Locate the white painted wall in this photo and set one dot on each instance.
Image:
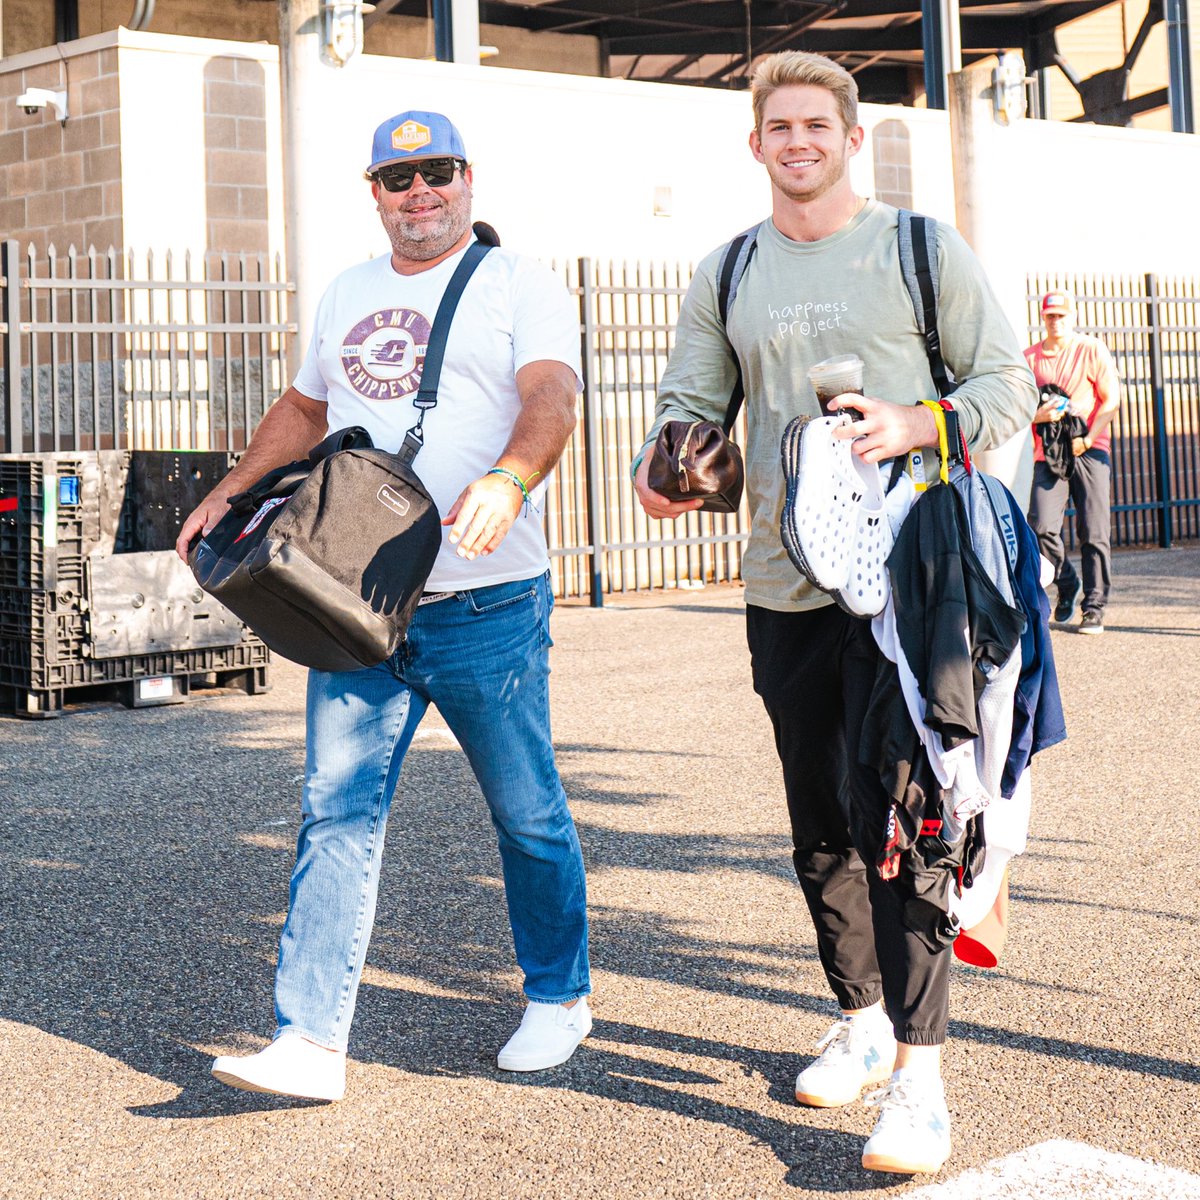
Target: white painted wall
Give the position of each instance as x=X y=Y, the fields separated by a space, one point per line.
x=1126 y=199
x=162 y=159
x=570 y=165
x=567 y=165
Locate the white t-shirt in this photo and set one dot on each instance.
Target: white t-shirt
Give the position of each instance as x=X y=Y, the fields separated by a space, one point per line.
x=365 y=359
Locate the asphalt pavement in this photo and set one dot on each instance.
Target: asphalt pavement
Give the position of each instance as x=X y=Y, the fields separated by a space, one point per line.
x=145 y=857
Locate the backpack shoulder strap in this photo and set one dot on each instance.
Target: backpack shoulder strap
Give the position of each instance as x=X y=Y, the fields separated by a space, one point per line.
x=916 y=241
x=732 y=266
x=734 y=260
x=1006 y=517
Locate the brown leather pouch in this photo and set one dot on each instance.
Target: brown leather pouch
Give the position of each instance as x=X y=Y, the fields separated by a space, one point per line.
x=694 y=460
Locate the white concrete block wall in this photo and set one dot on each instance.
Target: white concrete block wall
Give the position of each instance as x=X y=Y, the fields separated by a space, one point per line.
x=569 y=165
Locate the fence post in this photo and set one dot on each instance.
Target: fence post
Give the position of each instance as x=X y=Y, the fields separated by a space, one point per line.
x=11 y=358
x=1162 y=458
x=593 y=430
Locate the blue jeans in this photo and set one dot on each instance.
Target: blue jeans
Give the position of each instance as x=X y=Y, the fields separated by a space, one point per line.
x=482 y=657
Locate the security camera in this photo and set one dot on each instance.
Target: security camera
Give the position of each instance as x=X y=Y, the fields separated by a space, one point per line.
x=35 y=99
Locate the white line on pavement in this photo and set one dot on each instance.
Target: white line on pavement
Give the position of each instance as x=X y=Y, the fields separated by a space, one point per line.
x=1063 y=1170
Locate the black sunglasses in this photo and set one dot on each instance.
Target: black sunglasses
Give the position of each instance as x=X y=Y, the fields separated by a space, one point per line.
x=437 y=172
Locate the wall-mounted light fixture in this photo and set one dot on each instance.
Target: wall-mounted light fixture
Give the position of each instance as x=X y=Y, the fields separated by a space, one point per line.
x=1008 y=88
x=342 y=30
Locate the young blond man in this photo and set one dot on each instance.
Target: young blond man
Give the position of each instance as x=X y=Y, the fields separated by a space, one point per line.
x=825 y=279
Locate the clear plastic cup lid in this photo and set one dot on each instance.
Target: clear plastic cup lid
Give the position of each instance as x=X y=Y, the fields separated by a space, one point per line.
x=840 y=364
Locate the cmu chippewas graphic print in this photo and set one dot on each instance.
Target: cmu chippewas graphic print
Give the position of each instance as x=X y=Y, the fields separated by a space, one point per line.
x=384 y=354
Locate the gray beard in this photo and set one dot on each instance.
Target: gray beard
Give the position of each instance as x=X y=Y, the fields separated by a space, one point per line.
x=435 y=240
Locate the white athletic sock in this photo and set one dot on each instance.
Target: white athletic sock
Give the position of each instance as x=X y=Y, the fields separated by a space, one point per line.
x=872 y=1015
x=919 y=1076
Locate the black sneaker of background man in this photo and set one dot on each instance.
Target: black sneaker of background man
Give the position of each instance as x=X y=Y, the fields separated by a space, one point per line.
x=1068 y=597
x=1091 y=622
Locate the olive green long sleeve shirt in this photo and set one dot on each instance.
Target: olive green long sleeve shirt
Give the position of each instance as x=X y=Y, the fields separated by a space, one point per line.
x=800 y=302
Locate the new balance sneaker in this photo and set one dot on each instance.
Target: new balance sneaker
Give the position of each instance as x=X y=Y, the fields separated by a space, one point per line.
x=1068 y=598
x=855 y=1053
x=547 y=1036
x=912 y=1132
x=290 y=1066
x=1091 y=622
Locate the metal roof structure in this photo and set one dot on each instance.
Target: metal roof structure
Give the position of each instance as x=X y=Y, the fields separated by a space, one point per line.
x=894 y=48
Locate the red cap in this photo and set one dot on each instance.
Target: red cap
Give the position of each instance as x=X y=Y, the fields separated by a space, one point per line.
x=1057 y=302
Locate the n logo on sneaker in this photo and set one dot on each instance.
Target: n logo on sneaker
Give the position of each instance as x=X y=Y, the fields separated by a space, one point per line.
x=870 y=1058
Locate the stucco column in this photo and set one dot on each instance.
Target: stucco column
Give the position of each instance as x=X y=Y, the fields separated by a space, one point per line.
x=985 y=218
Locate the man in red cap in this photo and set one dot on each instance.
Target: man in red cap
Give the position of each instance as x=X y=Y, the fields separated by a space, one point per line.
x=1076 y=377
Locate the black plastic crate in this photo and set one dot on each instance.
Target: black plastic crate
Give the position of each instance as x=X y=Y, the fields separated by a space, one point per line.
x=91 y=595
x=40 y=689
x=38 y=629
x=57 y=509
x=164 y=486
x=50 y=510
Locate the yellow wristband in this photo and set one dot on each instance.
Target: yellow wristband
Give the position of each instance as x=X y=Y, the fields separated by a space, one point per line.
x=939 y=417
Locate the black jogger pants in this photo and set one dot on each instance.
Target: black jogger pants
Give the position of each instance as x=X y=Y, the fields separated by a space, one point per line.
x=814 y=671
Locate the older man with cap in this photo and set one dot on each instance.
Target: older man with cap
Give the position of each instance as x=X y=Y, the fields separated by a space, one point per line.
x=1079 y=367
x=478 y=644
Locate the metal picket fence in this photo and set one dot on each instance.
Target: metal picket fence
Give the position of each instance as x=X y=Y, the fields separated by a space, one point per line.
x=122 y=351
x=601 y=541
x=127 y=351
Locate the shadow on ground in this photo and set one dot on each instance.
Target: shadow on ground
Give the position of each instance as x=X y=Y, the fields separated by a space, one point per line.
x=144 y=875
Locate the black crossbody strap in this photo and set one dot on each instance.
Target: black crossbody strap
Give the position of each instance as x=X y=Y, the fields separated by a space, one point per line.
x=435 y=351
x=354 y=437
x=431 y=372
x=734 y=260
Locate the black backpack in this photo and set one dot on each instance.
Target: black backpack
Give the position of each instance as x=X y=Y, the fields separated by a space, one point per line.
x=916 y=247
x=326 y=558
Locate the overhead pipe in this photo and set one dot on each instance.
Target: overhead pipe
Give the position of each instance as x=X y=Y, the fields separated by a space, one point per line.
x=143 y=13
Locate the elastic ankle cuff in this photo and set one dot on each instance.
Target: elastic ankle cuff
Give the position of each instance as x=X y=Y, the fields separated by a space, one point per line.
x=920 y=1037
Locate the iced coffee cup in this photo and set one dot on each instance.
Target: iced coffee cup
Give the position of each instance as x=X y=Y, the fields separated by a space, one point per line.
x=833 y=376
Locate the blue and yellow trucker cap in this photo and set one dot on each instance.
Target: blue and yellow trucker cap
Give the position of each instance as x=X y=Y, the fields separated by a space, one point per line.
x=415 y=134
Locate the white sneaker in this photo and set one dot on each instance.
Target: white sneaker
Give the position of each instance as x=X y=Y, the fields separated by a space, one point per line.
x=547 y=1036
x=290 y=1066
x=855 y=1053
x=912 y=1132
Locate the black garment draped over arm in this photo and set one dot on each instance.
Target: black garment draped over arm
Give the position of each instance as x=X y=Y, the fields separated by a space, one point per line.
x=950 y=617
